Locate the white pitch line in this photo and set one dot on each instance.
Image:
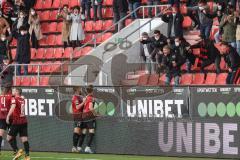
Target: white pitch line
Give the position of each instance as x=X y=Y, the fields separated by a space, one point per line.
x=60 y=158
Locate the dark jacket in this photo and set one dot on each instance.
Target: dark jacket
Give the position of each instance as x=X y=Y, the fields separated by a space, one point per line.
x=232 y=59
x=177 y=24
x=167 y=63
x=120 y=6
x=207 y=50
x=150 y=50
x=23 y=48
x=3 y=50
x=184 y=53
x=25 y=23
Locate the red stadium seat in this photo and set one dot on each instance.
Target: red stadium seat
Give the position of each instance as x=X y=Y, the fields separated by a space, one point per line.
x=88 y=26
x=53 y=15
x=40 y=53
x=13 y=52
x=50 y=40
x=67 y=52
x=153 y=80
x=58 y=40
x=77 y=53
x=46 y=67
x=64 y=2
x=211 y=78
x=107 y=24
x=88 y=38
x=106 y=36
x=34 y=81
x=143 y=80
x=128 y=21
x=33 y=53
x=44 y=16
x=108 y=13
x=108 y=2
x=86 y=50
x=49 y=53
x=46 y=4
x=25 y=81
x=59 y=27
x=42 y=42
x=187 y=22
x=221 y=78
x=45 y=27
x=73 y=3
x=98 y=25
x=198 y=78
x=44 y=81
x=53 y=27
x=56 y=67
x=98 y=39
x=186 y=79
x=58 y=53
x=56 y=3
x=38 y=5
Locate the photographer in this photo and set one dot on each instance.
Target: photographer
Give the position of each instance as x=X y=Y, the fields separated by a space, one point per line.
x=229 y=27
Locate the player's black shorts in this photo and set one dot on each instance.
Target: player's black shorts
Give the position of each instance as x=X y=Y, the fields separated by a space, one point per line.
x=21 y=129
x=78 y=124
x=4 y=125
x=89 y=124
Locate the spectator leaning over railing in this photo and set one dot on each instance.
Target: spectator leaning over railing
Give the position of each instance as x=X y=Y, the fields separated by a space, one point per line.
x=209 y=54
x=171 y=65
x=232 y=60
x=237 y=22
x=205 y=20
x=229 y=27
x=76 y=32
x=120 y=9
x=182 y=49
x=147 y=54
x=174 y=21
x=35 y=28
x=133 y=5
x=23 y=49
x=66 y=24
x=97 y=9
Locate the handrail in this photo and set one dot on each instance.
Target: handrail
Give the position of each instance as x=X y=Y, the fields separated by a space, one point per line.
x=120 y=21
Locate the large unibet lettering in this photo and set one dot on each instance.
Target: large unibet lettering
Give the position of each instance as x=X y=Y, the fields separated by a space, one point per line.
x=154 y=108
x=198 y=138
x=184 y=137
x=227 y=138
x=165 y=147
x=39 y=107
x=211 y=138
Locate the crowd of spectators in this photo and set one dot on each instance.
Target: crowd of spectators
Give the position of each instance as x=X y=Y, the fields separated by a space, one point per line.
x=168 y=54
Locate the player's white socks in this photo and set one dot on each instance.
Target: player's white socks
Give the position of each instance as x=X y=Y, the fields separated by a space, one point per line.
x=88 y=150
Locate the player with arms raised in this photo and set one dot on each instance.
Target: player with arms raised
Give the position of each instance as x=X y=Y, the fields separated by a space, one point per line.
x=77 y=110
x=5 y=104
x=19 y=125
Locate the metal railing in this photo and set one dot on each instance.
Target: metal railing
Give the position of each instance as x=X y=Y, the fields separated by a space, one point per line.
x=62 y=70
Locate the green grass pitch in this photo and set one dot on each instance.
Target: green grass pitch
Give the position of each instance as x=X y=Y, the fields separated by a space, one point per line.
x=69 y=156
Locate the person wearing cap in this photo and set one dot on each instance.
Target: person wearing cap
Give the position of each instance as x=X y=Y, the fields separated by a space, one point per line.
x=23 y=49
x=147 y=54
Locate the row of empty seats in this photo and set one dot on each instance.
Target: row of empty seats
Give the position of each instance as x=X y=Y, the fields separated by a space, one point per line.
x=186 y=79
x=32 y=81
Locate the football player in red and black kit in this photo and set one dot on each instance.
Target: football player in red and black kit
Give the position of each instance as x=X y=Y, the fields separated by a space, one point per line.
x=5 y=104
x=19 y=125
x=77 y=110
x=89 y=120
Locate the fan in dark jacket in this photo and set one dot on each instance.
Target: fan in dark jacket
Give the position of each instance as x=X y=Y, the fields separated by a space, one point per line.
x=120 y=9
x=232 y=60
x=171 y=64
x=4 y=48
x=146 y=52
x=174 y=20
x=182 y=49
x=23 y=49
x=209 y=54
